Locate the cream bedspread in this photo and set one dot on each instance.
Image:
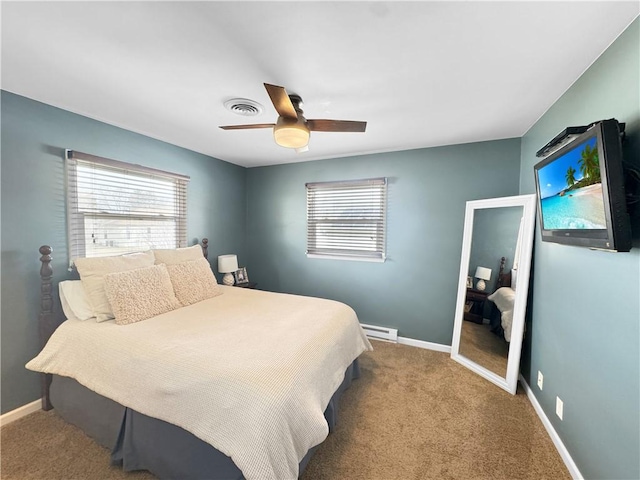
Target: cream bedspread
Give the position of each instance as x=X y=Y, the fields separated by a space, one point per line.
x=249 y=372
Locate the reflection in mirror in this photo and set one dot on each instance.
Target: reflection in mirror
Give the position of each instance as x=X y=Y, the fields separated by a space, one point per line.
x=484 y=339
x=494 y=278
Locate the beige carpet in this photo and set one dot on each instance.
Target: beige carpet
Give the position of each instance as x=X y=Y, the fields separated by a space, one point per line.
x=414 y=414
x=478 y=344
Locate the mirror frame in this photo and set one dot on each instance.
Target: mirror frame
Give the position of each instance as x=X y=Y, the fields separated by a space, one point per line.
x=528 y=202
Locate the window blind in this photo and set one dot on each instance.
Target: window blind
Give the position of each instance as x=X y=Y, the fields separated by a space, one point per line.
x=347 y=219
x=115 y=207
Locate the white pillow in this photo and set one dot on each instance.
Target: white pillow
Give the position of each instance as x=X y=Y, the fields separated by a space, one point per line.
x=68 y=313
x=139 y=294
x=93 y=270
x=73 y=298
x=178 y=255
x=503 y=298
x=193 y=281
x=514 y=277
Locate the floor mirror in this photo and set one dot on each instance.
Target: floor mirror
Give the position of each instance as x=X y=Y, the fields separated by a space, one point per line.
x=493 y=287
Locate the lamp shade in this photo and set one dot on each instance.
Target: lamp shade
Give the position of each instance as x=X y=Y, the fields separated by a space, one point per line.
x=482 y=273
x=291 y=133
x=227 y=263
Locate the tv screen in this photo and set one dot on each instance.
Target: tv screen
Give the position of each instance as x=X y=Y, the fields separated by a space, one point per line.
x=580 y=190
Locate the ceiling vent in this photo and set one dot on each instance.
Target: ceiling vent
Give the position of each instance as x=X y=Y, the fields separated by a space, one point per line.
x=243 y=106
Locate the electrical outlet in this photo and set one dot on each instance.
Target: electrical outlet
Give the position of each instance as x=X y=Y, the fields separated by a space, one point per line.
x=540 y=378
x=559 y=407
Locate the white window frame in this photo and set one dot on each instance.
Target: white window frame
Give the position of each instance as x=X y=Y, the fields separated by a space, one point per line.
x=346 y=220
x=79 y=215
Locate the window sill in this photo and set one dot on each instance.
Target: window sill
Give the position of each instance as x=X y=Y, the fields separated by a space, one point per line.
x=346 y=257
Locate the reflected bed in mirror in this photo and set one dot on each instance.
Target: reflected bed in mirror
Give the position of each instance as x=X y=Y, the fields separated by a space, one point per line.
x=489 y=321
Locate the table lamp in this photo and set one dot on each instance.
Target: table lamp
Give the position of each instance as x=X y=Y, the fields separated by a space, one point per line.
x=483 y=274
x=227 y=264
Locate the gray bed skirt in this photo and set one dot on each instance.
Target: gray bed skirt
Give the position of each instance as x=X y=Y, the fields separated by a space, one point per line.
x=140 y=442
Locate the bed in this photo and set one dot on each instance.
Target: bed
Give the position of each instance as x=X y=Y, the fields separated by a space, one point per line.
x=240 y=384
x=502 y=299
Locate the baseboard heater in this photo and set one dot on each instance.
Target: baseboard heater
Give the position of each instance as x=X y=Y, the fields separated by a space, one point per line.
x=381 y=333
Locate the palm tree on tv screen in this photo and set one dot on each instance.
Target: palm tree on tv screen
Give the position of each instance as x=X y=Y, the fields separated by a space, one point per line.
x=590 y=165
x=570 y=176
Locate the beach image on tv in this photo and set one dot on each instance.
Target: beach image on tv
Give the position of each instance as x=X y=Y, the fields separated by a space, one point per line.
x=571 y=190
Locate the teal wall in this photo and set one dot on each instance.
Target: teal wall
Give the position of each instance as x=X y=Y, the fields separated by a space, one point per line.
x=583 y=331
x=415 y=289
x=34 y=136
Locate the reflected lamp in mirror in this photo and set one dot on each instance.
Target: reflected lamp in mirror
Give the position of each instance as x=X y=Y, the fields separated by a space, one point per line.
x=228 y=264
x=483 y=274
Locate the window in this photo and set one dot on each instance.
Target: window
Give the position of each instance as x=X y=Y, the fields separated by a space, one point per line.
x=115 y=207
x=347 y=219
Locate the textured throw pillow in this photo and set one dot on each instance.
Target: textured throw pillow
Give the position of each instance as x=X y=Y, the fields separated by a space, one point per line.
x=139 y=294
x=178 y=255
x=74 y=300
x=93 y=270
x=193 y=281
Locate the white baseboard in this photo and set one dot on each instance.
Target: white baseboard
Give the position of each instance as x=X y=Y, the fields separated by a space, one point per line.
x=23 y=411
x=438 y=347
x=562 y=450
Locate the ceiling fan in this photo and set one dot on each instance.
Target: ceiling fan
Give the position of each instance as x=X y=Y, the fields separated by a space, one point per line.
x=292 y=130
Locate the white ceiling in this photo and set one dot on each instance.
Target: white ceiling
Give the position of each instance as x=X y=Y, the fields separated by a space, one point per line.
x=421 y=74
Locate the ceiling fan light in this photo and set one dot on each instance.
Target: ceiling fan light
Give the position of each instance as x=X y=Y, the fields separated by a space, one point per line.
x=291 y=134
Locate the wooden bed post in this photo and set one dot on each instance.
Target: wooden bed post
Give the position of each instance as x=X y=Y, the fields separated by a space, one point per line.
x=205 y=248
x=46 y=326
x=504 y=279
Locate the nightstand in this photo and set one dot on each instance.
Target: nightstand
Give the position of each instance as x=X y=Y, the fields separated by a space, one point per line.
x=247 y=285
x=475 y=298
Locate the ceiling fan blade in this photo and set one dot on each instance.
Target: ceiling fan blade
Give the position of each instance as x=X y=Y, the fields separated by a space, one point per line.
x=281 y=101
x=336 y=126
x=247 y=127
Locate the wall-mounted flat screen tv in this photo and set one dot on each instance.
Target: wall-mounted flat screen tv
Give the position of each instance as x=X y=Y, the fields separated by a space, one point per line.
x=581 y=196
